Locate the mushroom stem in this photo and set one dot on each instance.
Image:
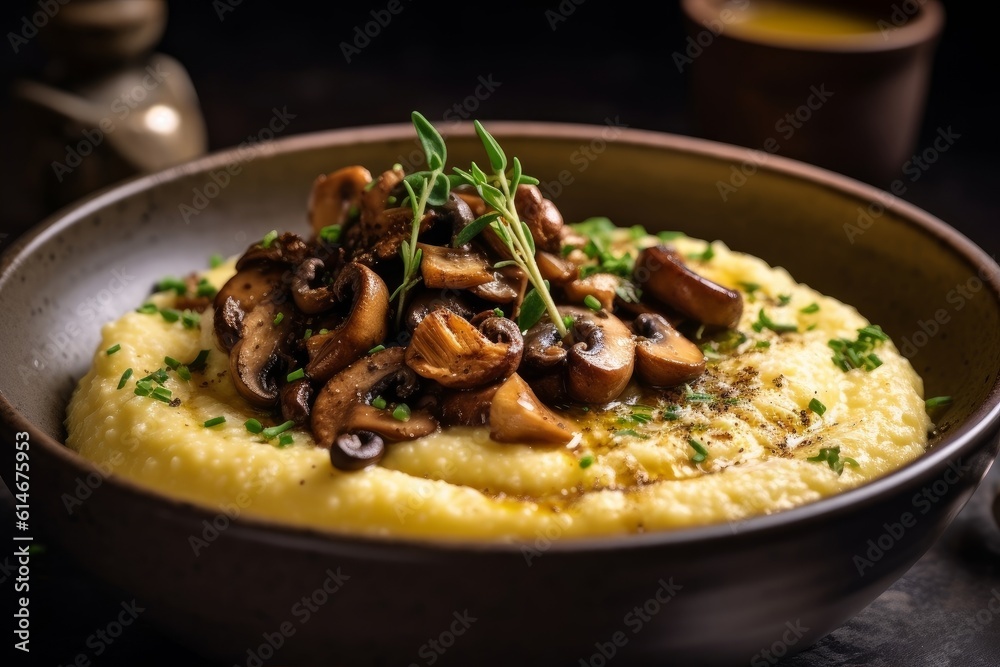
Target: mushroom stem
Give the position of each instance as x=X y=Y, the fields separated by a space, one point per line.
x=516 y=415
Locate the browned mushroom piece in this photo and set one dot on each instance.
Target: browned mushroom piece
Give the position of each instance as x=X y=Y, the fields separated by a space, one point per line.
x=453 y=268
x=599 y=364
x=516 y=415
x=663 y=356
x=467 y=408
x=663 y=275
x=448 y=349
x=364 y=328
x=472 y=200
x=240 y=295
x=557 y=270
x=458 y=213
x=311 y=298
x=259 y=360
x=507 y=287
x=395 y=225
x=296 y=401
x=344 y=419
x=541 y=216
x=334 y=194
x=424 y=301
x=601 y=286
x=288 y=248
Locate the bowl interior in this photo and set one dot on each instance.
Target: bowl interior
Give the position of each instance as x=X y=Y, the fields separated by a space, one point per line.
x=930 y=288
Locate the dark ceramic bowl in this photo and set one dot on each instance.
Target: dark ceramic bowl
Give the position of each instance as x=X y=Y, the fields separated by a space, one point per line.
x=722 y=594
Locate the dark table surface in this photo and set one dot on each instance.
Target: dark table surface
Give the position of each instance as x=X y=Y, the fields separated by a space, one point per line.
x=942 y=612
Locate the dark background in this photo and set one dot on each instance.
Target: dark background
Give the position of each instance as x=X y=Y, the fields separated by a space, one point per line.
x=606 y=59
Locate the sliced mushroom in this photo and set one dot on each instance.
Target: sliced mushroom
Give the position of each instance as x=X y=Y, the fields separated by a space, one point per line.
x=229 y=323
x=354 y=451
x=516 y=415
x=540 y=215
x=557 y=270
x=663 y=356
x=599 y=364
x=507 y=287
x=543 y=350
x=662 y=274
x=424 y=301
x=453 y=267
x=458 y=212
x=447 y=348
x=364 y=328
x=601 y=286
x=334 y=194
x=258 y=361
x=309 y=297
x=468 y=408
x=342 y=408
x=296 y=401
x=288 y=248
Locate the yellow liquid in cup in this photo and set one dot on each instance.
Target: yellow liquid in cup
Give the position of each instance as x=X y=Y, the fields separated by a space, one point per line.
x=774 y=18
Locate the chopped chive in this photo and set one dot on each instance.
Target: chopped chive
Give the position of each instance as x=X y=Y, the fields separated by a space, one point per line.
x=498 y=312
x=811 y=308
x=401 y=413
x=379 y=403
x=700 y=452
x=286 y=440
x=206 y=289
x=308 y=334
x=669 y=236
x=765 y=322
x=125 y=376
x=161 y=394
x=275 y=431
x=696 y=397
x=590 y=301
x=749 y=287
x=831 y=456
x=705 y=256
x=671 y=414
x=377 y=348
x=937 y=402
x=817 y=407
x=147 y=309
x=159 y=376
x=170 y=315
x=296 y=375
x=323 y=332
x=171 y=362
x=586 y=461
x=215 y=261
x=143 y=388
x=269 y=238
x=114 y=348
x=330 y=233
x=763 y=344
x=253 y=425
x=215 y=421
x=568 y=321
x=278 y=318
x=631 y=432
x=784 y=299
x=170 y=283
x=199 y=361
x=183 y=372
x=190 y=319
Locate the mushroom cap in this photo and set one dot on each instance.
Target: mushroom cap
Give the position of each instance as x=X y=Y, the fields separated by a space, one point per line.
x=259 y=359
x=663 y=356
x=662 y=274
x=334 y=194
x=599 y=364
x=516 y=415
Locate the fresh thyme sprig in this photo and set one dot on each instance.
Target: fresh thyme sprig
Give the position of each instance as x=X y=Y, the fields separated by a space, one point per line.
x=497 y=190
x=423 y=188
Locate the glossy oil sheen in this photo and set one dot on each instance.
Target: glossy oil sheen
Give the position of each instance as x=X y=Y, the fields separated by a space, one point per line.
x=733 y=590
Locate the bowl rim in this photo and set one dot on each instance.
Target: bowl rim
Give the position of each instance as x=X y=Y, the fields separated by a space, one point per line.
x=924 y=27
x=958 y=443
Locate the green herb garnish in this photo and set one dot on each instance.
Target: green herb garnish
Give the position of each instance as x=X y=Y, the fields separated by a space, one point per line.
x=586 y=461
x=817 y=407
x=762 y=344
x=285 y=441
x=704 y=256
x=215 y=261
x=590 y=301
x=379 y=403
x=296 y=375
x=700 y=453
x=125 y=377
x=330 y=233
x=784 y=299
x=765 y=322
x=199 y=361
x=215 y=421
x=810 y=309
x=937 y=402
x=170 y=315
x=269 y=238
x=831 y=456
x=848 y=354
x=275 y=431
x=253 y=425
x=170 y=283
x=114 y=348
x=377 y=348
x=279 y=318
x=401 y=413
x=147 y=309
x=205 y=289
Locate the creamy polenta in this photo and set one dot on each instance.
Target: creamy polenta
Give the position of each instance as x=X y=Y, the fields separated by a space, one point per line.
x=773 y=423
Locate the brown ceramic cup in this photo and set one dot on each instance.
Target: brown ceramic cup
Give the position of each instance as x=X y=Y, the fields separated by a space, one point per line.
x=852 y=103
